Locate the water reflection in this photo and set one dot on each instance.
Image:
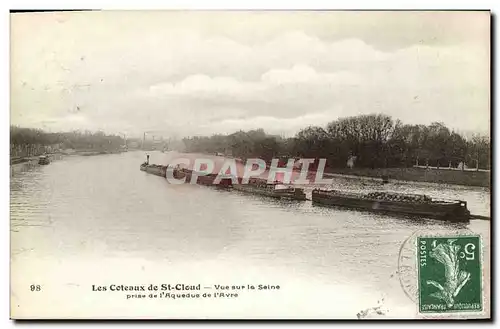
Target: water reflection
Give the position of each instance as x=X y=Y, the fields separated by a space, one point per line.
x=104 y=209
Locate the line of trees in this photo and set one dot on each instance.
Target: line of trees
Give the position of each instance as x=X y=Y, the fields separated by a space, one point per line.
x=370 y=141
x=28 y=141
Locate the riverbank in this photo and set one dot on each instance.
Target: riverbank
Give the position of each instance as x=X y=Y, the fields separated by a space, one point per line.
x=89 y=153
x=413 y=174
x=24 y=159
x=19 y=160
x=439 y=176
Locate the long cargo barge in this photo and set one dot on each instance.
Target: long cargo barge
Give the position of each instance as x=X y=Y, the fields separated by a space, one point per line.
x=255 y=186
x=154 y=169
x=179 y=173
x=202 y=179
x=273 y=190
x=408 y=204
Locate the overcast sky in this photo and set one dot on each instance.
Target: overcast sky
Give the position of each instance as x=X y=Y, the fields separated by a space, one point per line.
x=217 y=72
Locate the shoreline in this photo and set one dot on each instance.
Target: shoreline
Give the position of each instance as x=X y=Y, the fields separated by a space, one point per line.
x=25 y=159
x=404 y=175
x=422 y=175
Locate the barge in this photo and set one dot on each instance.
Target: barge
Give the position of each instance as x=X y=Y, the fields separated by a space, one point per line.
x=408 y=204
x=179 y=173
x=273 y=190
x=255 y=186
x=202 y=179
x=43 y=160
x=154 y=169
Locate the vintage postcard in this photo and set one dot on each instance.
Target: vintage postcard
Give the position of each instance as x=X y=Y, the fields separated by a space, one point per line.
x=250 y=165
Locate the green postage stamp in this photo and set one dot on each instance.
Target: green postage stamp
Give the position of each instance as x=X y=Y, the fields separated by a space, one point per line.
x=449 y=274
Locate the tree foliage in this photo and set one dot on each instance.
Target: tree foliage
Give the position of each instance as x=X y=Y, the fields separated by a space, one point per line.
x=77 y=140
x=375 y=141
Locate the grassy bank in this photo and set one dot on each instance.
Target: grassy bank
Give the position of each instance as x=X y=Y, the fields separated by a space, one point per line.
x=24 y=159
x=412 y=174
x=18 y=160
x=442 y=176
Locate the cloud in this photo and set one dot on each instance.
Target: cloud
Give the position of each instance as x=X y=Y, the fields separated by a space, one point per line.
x=304 y=74
x=189 y=74
x=200 y=85
x=274 y=125
x=203 y=86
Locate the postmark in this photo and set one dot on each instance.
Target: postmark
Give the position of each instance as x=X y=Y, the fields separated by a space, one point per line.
x=449 y=274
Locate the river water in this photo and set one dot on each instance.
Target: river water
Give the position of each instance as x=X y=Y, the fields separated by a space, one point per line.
x=98 y=220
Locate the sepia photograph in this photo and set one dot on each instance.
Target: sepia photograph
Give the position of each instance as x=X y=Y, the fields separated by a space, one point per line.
x=250 y=164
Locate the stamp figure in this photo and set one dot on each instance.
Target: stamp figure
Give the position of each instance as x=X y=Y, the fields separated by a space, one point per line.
x=449 y=274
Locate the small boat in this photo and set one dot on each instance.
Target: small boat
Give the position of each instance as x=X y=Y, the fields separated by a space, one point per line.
x=43 y=160
x=274 y=190
x=409 y=204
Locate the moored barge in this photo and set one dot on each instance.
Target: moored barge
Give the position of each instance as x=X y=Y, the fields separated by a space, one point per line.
x=154 y=169
x=180 y=173
x=202 y=179
x=273 y=190
x=43 y=160
x=408 y=204
x=254 y=186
